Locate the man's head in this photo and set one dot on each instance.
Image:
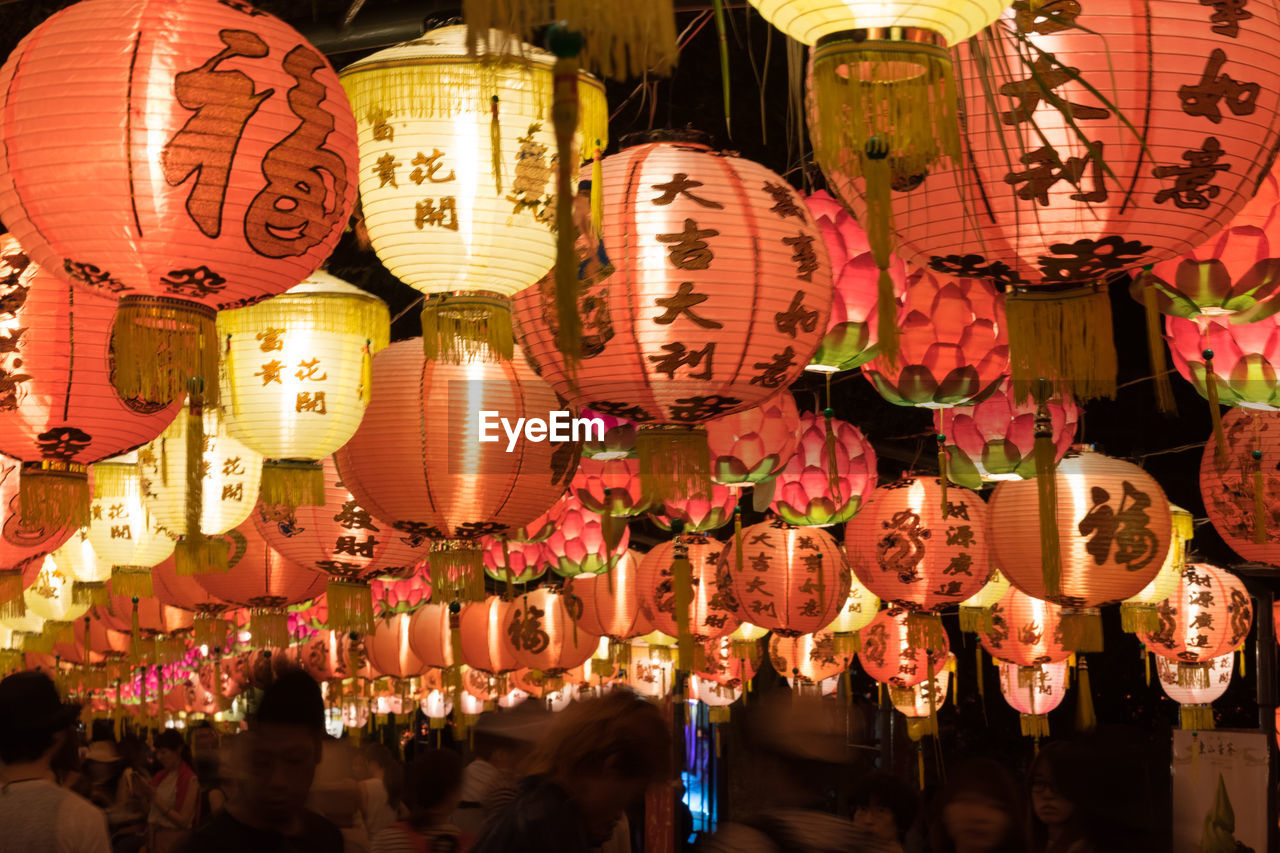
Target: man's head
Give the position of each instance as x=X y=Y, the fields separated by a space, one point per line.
x=282 y=749
x=204 y=738
x=34 y=721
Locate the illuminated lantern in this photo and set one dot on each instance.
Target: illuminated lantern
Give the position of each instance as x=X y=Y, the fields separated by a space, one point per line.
x=514 y=562
x=726 y=665
x=458 y=177
x=712 y=609
x=1033 y=692
x=1139 y=612
x=482 y=685
x=975 y=611
x=806 y=492
x=399 y=595
x=754 y=445
x=90 y=575
x=329 y=655
x=717 y=697
x=1208 y=615
x=993 y=440
x=158 y=623
x=542 y=632
x=482 y=625
x=50 y=596
x=888 y=656
x=21 y=543
x=611 y=603
x=807 y=659
x=175 y=590
x=27 y=632
x=540 y=528
x=610 y=487
x=791 y=581
x=58 y=409
x=1025 y=631
x=953 y=344
x=122 y=533
x=697 y=513
x=1242 y=359
x=259 y=579
x=579 y=544
x=1196 y=703
x=337 y=536
x=1112 y=534
x=650 y=675
x=431 y=636
x=229 y=488
x=214 y=186
x=920 y=547
x=294 y=379
x=859 y=608
x=919 y=703
x=1245 y=476
x=852 y=335
x=617 y=442
x=715 y=297
x=418 y=464
x=389 y=651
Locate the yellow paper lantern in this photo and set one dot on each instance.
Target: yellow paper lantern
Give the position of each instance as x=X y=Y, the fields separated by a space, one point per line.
x=51 y=596
x=122 y=532
x=24 y=633
x=89 y=574
x=295 y=379
x=808 y=21
x=975 y=611
x=458 y=177
x=858 y=611
x=919 y=703
x=1141 y=612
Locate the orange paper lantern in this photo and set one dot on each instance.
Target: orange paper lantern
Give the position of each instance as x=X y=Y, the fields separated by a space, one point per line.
x=807 y=659
x=482 y=625
x=1025 y=631
x=612 y=604
x=21 y=543
x=712 y=609
x=542 y=632
x=389 y=651
x=431 y=635
x=1207 y=617
x=792 y=580
x=889 y=656
x=806 y=492
x=1244 y=476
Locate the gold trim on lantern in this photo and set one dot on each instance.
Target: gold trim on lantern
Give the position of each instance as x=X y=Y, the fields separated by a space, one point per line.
x=291 y=483
x=467 y=327
x=54 y=493
x=148 y=325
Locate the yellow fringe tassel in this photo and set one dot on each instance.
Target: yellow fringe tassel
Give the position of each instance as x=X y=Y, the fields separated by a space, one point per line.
x=201 y=555
x=292 y=483
x=54 y=495
x=1240 y=653
x=1196 y=718
x=1259 y=501
x=1034 y=725
x=158 y=344
x=925 y=631
x=674 y=463
x=350 y=604
x=131 y=581
x=465 y=328
x=597 y=193
x=136 y=655
x=833 y=468
x=564 y=118
x=942 y=473
x=1215 y=409
x=975 y=620
x=457 y=573
x=1146 y=665
x=846 y=644
x=92 y=593
x=209 y=630
x=1065 y=336
x=1136 y=618
x=682 y=588
x=982 y=686
x=920 y=764
x=366 y=372
x=1155 y=343
x=269 y=627
x=878 y=222
x=12 y=603
x=1045 y=453
x=1193 y=675
x=1086 y=720
x=1082 y=630
x=737 y=541
x=495 y=143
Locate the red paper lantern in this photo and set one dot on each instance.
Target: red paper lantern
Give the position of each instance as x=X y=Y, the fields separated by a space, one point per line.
x=482 y=625
x=807 y=658
x=431 y=638
x=328 y=655
x=1025 y=631
x=994 y=439
x=185 y=592
x=1033 y=692
x=953 y=344
x=697 y=513
x=852 y=335
x=1209 y=616
x=514 y=562
x=612 y=604
x=791 y=581
x=220 y=152
x=418 y=462
x=543 y=633
x=58 y=409
x=103 y=643
x=713 y=608
x=579 y=544
x=1242 y=358
x=726 y=666
x=153 y=616
x=888 y=656
x=1229 y=486
x=389 y=651
x=21 y=543
x=610 y=487
x=804 y=493
x=754 y=445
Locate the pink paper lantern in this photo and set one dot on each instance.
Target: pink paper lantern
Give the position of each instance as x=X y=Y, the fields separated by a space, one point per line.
x=792 y=580
x=1025 y=631
x=804 y=493
x=1252 y=444
x=578 y=545
x=697 y=513
x=713 y=606
x=888 y=656
x=1242 y=359
x=754 y=445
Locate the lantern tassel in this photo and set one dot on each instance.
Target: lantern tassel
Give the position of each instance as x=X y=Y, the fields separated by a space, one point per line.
x=350 y=603
x=737 y=541
x=566 y=46
x=1259 y=501
x=269 y=627
x=1155 y=342
x=135 y=636
x=1034 y=725
x=943 y=474
x=925 y=631
x=465 y=328
x=457 y=573
x=195 y=553
x=1046 y=454
x=12 y=603
x=292 y=483
x=131 y=581
x=846 y=644
x=1086 y=720
x=1193 y=675
x=366 y=371
x=920 y=764
x=833 y=469
x=1082 y=630
x=209 y=630
x=682 y=589
x=1240 y=653
x=158 y=344
x=675 y=463
x=54 y=495
x=982 y=691
x=1064 y=335
x=92 y=593
x=1215 y=409
x=597 y=193
x=1146 y=665
x=495 y=144
x=1136 y=618
x=975 y=620
x=612 y=527
x=1196 y=718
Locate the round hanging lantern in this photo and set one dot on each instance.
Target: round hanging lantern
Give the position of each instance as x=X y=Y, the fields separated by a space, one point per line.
x=225 y=499
x=852 y=335
x=1196 y=703
x=423 y=463
x=754 y=445
x=58 y=409
x=648 y=674
x=1112 y=534
x=1139 y=612
x=1025 y=631
x=789 y=580
x=698 y=513
x=807 y=659
x=1208 y=615
x=975 y=611
x=612 y=604
x=953 y=344
x=294 y=379
x=888 y=655
x=808 y=21
x=579 y=545
x=1242 y=359
x=338 y=537
x=807 y=492
x=920 y=546
x=49 y=594
x=89 y=574
x=401 y=595
x=995 y=439
x=389 y=651
x=1033 y=692
x=920 y=703
x=220 y=153
x=482 y=625
x=715 y=297
x=431 y=635
x=716 y=696
x=725 y=663
x=542 y=632
x=260 y=579
x=212 y=620
x=514 y=562
x=124 y=535
x=21 y=543
x=712 y=609
x=859 y=608
x=458 y=176
x=1244 y=475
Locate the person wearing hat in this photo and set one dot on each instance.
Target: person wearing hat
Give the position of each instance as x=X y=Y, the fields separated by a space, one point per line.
x=36 y=814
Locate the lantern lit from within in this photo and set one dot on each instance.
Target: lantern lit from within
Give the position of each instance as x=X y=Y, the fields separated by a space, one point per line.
x=859 y=608
x=21 y=543
x=514 y=562
x=790 y=580
x=213 y=187
x=400 y=595
x=1242 y=359
x=1195 y=702
x=1033 y=692
x=122 y=531
x=807 y=492
x=650 y=675
x=580 y=544
x=612 y=604
x=807 y=21
x=1139 y=612
x=726 y=664
x=712 y=606
x=975 y=611
x=1208 y=615
x=888 y=655
x=482 y=626
x=212 y=620
x=431 y=635
x=50 y=596
x=542 y=632
x=389 y=651
x=1233 y=484
x=919 y=703
x=698 y=513
x=610 y=487
x=294 y=376
x=807 y=659
x=1025 y=631
x=716 y=696
x=754 y=445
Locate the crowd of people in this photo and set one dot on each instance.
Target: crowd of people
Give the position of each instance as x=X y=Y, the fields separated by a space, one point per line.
x=538 y=783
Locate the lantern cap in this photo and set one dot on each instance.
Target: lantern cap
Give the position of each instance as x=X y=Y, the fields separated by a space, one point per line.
x=687 y=136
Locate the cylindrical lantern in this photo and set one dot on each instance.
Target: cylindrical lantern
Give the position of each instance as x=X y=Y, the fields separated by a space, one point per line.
x=808 y=21
x=1208 y=615
x=58 y=409
x=294 y=378
x=458 y=176
x=859 y=608
x=994 y=440
x=975 y=611
x=543 y=633
x=220 y=153
x=1025 y=631
x=482 y=625
x=1033 y=692
x=919 y=703
x=389 y=651
x=953 y=344
x=1235 y=482
x=1196 y=702
x=580 y=544
x=1139 y=612
x=807 y=491
x=124 y=534
x=754 y=445
x=430 y=458
x=807 y=659
x=920 y=547
x=790 y=580
x=889 y=656
x=1112 y=533
x=712 y=609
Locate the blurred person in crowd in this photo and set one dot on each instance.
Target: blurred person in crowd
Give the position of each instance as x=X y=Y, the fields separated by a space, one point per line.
x=336 y=795
x=381 y=782
x=1061 y=820
x=885 y=807
x=173 y=794
x=502 y=742
x=115 y=786
x=433 y=789
x=597 y=757
x=37 y=815
x=273 y=765
x=980 y=809
x=206 y=760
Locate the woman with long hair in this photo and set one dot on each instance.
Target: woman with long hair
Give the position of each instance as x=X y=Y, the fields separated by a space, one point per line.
x=174 y=793
x=433 y=789
x=1061 y=819
x=979 y=810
